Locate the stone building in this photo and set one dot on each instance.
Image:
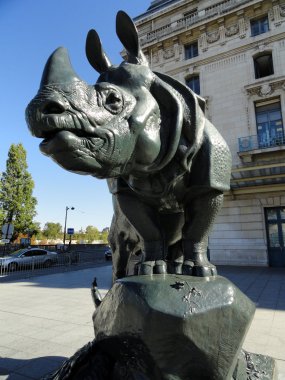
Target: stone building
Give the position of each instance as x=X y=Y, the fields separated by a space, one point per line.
x=232 y=53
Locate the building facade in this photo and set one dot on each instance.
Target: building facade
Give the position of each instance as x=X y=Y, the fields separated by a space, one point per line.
x=232 y=53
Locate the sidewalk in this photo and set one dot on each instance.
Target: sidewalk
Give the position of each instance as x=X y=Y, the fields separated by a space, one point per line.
x=45 y=319
x=266 y=288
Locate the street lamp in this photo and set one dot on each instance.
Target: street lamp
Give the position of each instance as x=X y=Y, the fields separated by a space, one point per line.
x=64 y=234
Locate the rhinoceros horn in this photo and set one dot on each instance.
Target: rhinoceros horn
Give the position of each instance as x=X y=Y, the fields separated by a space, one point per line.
x=128 y=35
x=58 y=69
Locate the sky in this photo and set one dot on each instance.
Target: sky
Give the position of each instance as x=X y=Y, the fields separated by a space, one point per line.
x=30 y=30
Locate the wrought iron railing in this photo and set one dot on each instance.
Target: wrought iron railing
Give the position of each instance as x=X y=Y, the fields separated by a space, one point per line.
x=249 y=143
x=187 y=21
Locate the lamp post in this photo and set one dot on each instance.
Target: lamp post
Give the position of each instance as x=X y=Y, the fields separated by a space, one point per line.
x=64 y=234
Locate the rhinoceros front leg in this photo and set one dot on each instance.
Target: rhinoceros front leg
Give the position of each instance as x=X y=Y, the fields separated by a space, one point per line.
x=123 y=240
x=145 y=220
x=200 y=215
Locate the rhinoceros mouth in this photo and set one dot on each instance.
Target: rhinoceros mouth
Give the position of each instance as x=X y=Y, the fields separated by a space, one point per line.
x=65 y=141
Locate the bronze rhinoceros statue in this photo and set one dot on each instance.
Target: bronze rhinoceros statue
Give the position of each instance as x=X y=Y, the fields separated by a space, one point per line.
x=166 y=164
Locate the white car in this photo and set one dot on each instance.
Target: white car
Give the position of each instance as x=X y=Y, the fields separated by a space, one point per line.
x=28 y=257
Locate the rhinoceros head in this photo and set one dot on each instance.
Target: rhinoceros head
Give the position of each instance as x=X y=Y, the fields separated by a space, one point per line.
x=112 y=128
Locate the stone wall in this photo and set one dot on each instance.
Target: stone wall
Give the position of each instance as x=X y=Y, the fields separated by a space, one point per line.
x=239 y=236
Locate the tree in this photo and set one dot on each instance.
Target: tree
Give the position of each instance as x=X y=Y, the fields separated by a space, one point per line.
x=92 y=233
x=52 y=230
x=79 y=235
x=105 y=234
x=17 y=203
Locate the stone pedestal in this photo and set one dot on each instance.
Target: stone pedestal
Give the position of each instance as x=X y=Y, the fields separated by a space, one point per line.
x=169 y=327
x=193 y=327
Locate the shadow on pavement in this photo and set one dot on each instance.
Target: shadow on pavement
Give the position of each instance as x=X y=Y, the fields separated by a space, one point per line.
x=265 y=286
x=30 y=369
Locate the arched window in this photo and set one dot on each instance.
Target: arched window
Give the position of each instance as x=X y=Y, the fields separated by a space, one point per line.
x=263 y=65
x=193 y=82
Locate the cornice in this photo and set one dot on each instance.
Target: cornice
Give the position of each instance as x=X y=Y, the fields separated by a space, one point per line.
x=199 y=61
x=170 y=30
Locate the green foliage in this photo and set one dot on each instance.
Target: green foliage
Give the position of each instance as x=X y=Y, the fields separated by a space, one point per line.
x=92 y=233
x=17 y=204
x=79 y=236
x=52 y=230
x=104 y=235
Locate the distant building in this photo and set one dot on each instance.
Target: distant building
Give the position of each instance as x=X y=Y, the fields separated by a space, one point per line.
x=232 y=53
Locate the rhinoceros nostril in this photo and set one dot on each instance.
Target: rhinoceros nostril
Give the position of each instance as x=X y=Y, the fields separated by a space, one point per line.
x=52 y=108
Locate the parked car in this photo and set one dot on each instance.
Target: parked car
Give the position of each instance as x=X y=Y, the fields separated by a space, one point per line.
x=108 y=255
x=28 y=257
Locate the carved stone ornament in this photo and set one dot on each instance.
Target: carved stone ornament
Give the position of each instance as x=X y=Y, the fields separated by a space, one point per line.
x=280 y=84
x=271 y=14
x=253 y=91
x=168 y=53
x=282 y=10
x=213 y=36
x=231 y=30
x=265 y=89
x=261 y=48
x=155 y=58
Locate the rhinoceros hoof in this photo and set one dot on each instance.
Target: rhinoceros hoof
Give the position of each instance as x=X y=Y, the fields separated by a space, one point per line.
x=146 y=268
x=189 y=268
x=204 y=271
x=174 y=267
x=160 y=267
x=152 y=267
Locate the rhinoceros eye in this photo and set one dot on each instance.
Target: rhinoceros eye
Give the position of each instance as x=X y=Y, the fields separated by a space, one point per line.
x=113 y=101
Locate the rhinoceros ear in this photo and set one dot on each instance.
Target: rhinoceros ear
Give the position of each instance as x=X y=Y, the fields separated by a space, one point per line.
x=95 y=53
x=128 y=35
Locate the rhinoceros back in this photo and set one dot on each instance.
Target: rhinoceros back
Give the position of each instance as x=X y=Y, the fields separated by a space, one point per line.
x=211 y=166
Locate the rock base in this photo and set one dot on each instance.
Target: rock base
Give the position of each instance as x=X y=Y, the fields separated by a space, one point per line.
x=190 y=325
x=255 y=366
x=170 y=327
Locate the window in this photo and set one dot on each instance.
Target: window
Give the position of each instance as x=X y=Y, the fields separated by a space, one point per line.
x=270 y=130
x=39 y=252
x=28 y=254
x=263 y=65
x=191 y=50
x=259 y=26
x=193 y=82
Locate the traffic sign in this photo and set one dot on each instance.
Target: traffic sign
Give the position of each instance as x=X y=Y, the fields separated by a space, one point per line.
x=7 y=230
x=70 y=231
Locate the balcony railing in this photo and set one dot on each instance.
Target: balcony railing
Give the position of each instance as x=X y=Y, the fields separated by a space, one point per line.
x=195 y=17
x=255 y=142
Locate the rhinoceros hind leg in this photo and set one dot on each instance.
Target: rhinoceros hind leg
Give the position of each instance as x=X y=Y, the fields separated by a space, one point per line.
x=201 y=214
